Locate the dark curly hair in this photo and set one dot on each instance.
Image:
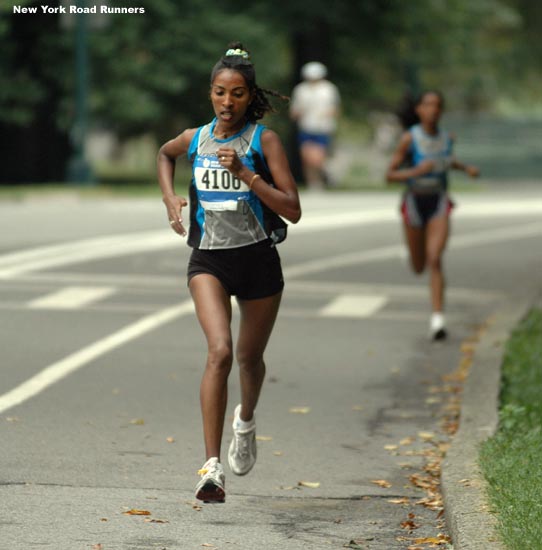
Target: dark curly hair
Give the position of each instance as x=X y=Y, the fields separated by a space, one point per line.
x=237 y=59
x=407 y=110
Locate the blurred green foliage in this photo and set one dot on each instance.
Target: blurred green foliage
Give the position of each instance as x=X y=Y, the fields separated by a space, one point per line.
x=149 y=73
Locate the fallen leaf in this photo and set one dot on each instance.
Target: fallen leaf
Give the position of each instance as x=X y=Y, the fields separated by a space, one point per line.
x=407 y=441
x=426 y=436
x=170 y=439
x=467 y=348
x=197 y=507
x=391 y=447
x=451 y=427
x=358 y=408
x=137 y=421
x=404 y=500
x=381 y=483
x=409 y=524
x=424 y=482
x=97 y=547
x=431 y=540
x=134 y=512
x=207 y=545
x=104 y=519
x=309 y=484
x=149 y=520
x=433 y=467
x=434 y=503
x=263 y=438
x=300 y=410
x=277 y=453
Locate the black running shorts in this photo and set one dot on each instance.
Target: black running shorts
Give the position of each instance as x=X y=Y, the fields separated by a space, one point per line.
x=419 y=209
x=249 y=272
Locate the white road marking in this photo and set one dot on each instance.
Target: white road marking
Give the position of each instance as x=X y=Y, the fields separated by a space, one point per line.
x=73 y=252
x=72 y=297
x=59 y=370
x=343 y=260
x=397 y=292
x=353 y=305
x=395 y=251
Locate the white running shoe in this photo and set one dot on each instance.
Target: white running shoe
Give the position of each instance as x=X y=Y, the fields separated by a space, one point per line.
x=211 y=485
x=242 y=452
x=437 y=326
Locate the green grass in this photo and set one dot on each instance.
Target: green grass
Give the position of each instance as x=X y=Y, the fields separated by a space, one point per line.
x=511 y=460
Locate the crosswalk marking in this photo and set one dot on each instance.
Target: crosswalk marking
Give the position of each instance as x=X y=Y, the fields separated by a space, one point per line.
x=354 y=305
x=72 y=297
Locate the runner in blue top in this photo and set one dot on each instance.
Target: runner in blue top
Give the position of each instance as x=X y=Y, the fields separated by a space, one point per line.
x=240 y=189
x=426 y=150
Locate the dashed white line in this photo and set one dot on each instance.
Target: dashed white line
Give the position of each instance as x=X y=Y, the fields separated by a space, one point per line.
x=45 y=257
x=72 y=297
x=353 y=305
x=29 y=261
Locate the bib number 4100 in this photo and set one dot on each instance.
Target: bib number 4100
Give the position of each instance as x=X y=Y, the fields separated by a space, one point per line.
x=220 y=179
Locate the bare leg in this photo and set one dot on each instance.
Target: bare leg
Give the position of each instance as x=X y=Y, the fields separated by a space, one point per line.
x=313 y=158
x=257 y=320
x=415 y=239
x=437 y=236
x=213 y=308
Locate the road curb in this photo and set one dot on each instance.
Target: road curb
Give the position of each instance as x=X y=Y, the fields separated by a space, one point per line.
x=471 y=525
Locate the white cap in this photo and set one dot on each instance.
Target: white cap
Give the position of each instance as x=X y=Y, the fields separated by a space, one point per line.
x=313 y=71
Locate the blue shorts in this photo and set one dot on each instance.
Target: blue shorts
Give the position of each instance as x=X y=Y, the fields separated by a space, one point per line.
x=321 y=139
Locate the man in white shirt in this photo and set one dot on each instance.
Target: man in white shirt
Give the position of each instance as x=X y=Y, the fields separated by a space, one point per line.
x=315 y=107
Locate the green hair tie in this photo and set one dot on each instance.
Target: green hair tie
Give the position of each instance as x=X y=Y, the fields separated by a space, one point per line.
x=239 y=52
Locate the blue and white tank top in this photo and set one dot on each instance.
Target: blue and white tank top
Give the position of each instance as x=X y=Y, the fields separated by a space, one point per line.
x=224 y=212
x=437 y=148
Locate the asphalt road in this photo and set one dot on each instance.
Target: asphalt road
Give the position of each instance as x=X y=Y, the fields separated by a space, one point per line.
x=102 y=356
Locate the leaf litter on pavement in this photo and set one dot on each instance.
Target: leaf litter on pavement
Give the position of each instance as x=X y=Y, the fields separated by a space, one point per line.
x=433 y=450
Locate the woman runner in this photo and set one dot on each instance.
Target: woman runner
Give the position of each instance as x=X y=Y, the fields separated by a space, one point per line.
x=241 y=184
x=426 y=150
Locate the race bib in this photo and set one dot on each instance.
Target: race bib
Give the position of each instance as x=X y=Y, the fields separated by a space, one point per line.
x=218 y=188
